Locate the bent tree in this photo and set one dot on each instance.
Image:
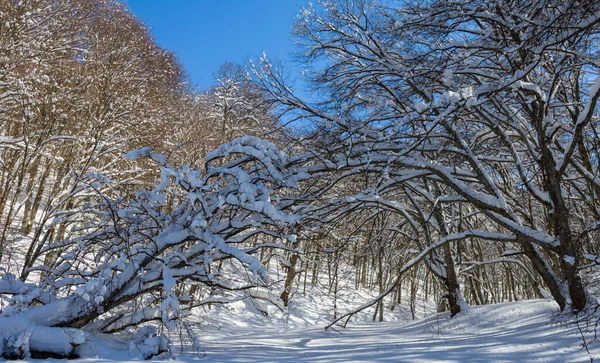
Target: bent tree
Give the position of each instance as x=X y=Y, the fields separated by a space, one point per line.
x=495 y=102
x=138 y=254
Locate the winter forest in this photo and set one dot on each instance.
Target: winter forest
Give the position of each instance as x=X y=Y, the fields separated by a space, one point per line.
x=446 y=166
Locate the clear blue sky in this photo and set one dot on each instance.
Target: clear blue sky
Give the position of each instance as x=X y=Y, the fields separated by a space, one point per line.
x=206 y=33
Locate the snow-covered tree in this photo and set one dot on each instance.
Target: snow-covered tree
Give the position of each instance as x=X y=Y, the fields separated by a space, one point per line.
x=488 y=106
x=82 y=82
x=125 y=269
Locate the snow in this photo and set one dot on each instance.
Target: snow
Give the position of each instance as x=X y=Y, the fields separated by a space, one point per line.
x=497 y=333
x=592 y=258
x=526 y=331
x=18 y=334
x=569 y=259
x=511 y=252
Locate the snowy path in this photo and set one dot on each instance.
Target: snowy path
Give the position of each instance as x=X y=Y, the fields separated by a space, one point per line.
x=511 y=332
x=518 y=332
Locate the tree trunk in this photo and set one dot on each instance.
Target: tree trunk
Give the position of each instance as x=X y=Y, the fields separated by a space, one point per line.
x=289 y=278
x=541 y=266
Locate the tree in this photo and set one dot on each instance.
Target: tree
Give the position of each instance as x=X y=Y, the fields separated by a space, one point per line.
x=123 y=272
x=494 y=101
x=82 y=82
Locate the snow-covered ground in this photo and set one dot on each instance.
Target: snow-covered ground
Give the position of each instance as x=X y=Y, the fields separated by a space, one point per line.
x=511 y=332
x=526 y=331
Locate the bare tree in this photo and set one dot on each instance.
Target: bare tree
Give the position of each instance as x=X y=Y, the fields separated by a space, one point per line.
x=82 y=82
x=494 y=101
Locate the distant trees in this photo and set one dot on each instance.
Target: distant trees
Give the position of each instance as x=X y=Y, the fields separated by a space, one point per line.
x=234 y=107
x=82 y=81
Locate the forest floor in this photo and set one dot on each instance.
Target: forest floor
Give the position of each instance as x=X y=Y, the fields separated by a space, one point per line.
x=527 y=331
x=511 y=332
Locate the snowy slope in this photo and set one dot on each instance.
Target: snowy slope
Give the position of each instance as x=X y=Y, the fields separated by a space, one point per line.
x=512 y=332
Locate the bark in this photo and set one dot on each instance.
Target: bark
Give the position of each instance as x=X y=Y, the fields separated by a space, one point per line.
x=289 y=278
x=540 y=265
x=29 y=216
x=451 y=278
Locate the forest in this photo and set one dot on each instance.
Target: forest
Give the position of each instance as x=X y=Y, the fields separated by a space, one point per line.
x=449 y=156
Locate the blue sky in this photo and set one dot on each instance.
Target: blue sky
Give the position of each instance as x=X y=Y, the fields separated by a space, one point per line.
x=206 y=33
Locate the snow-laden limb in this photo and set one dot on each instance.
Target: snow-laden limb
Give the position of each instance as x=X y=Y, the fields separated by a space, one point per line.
x=148 y=250
x=10 y=285
x=16 y=143
x=20 y=339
